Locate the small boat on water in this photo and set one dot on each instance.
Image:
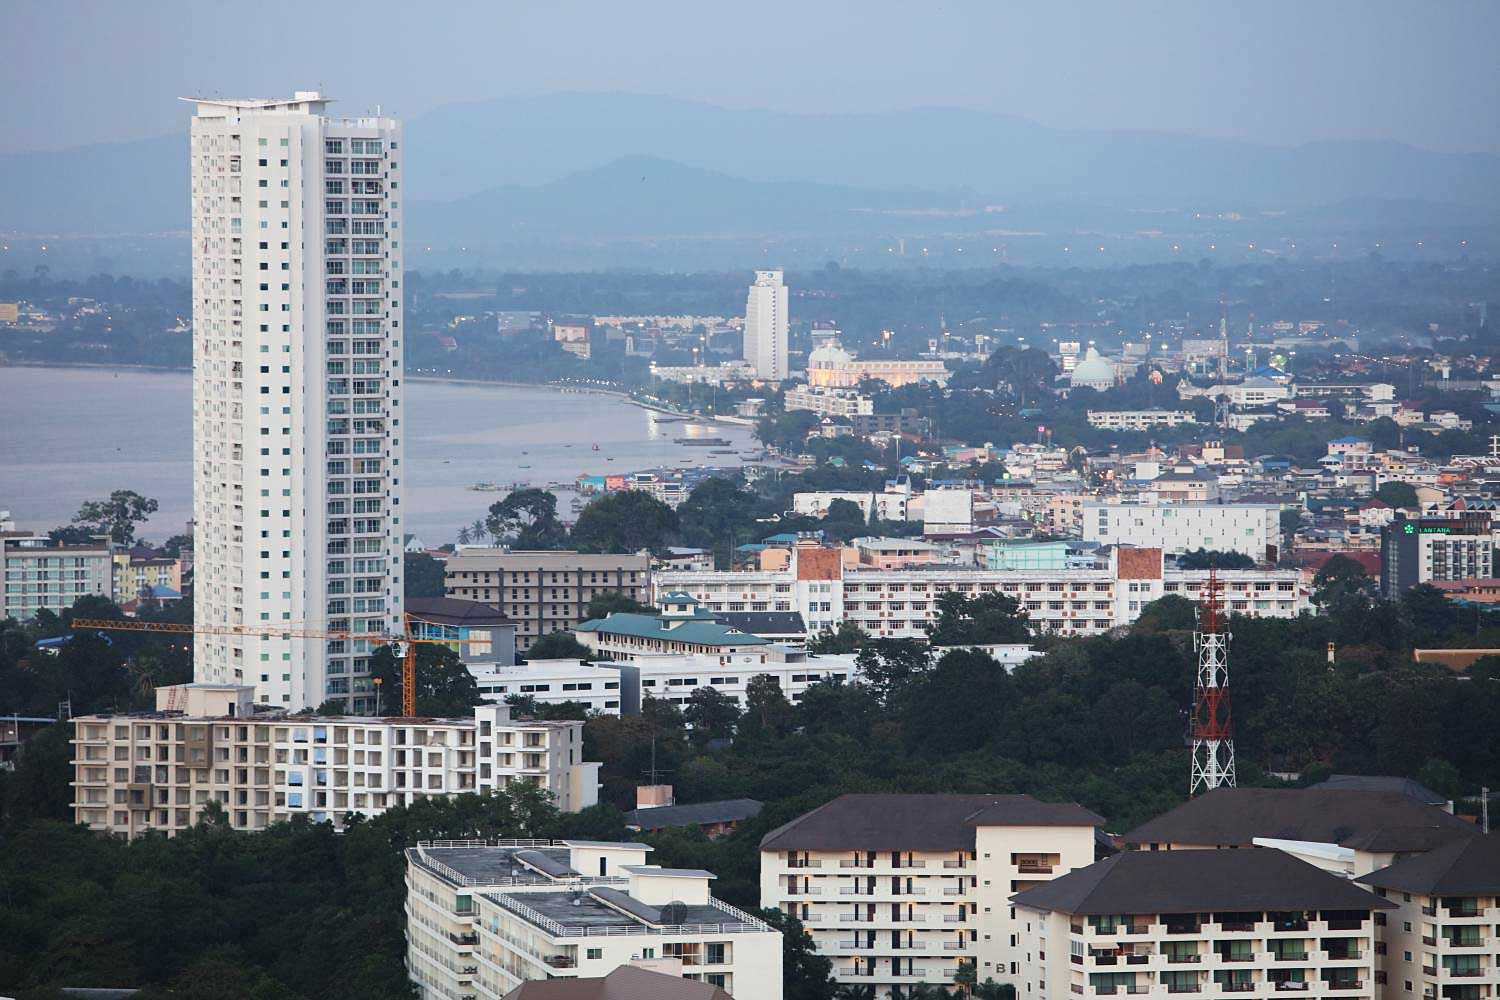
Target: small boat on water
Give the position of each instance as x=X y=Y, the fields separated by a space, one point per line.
x=596 y=447
x=485 y=487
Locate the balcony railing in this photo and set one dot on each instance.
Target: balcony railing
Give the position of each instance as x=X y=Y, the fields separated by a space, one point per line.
x=1291 y=986
x=855 y=863
x=1033 y=868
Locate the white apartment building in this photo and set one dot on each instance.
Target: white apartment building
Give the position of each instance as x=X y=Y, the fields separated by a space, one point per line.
x=1441 y=941
x=899 y=603
x=828 y=402
x=616 y=688
x=1138 y=420
x=297 y=393
x=897 y=890
x=41 y=574
x=1258 y=922
x=766 y=326
x=1253 y=529
x=483 y=918
x=888 y=505
x=208 y=742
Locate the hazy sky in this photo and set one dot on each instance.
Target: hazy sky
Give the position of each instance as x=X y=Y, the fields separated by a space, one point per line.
x=1420 y=71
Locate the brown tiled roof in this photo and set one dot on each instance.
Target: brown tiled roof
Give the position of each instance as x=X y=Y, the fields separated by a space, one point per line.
x=1143 y=882
x=916 y=822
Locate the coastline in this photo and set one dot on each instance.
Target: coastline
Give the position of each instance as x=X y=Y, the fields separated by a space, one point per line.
x=553 y=386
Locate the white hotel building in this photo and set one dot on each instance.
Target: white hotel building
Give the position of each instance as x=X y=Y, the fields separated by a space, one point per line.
x=485 y=917
x=899 y=603
x=296 y=392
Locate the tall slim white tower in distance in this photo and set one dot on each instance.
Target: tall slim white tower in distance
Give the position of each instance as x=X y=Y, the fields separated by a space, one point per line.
x=766 y=326
x=296 y=393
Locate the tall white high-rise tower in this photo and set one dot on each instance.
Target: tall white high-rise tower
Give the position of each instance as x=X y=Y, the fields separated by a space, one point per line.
x=296 y=393
x=765 y=326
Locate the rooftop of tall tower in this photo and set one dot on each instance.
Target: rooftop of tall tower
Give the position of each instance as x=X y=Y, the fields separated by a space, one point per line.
x=307 y=101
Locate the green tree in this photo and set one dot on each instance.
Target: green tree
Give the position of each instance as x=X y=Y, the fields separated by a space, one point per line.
x=608 y=602
x=982 y=620
x=718 y=515
x=805 y=974
x=767 y=711
x=558 y=646
x=1214 y=559
x=117 y=516
x=174 y=545
x=890 y=665
x=844 y=520
x=422 y=575
x=1171 y=612
x=847 y=638
x=1341 y=585
x=711 y=714
x=529 y=518
x=627 y=521
x=1401 y=495
x=445 y=688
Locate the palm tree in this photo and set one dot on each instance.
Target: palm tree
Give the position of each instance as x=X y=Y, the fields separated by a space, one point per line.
x=463 y=535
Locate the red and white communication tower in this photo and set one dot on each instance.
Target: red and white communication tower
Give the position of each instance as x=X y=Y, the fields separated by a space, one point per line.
x=1213 y=731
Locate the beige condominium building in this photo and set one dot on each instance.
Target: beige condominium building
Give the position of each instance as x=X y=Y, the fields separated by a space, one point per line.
x=157 y=771
x=897 y=890
x=1443 y=938
x=1257 y=922
x=485 y=917
x=544 y=592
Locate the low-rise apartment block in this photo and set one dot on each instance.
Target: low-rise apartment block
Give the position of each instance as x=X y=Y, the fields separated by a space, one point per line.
x=900 y=603
x=1442 y=940
x=41 y=574
x=207 y=743
x=898 y=890
x=1200 y=923
x=617 y=687
x=544 y=592
x=484 y=918
x=1138 y=420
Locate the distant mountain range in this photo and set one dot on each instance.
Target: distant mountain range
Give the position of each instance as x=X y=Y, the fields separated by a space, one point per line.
x=630 y=166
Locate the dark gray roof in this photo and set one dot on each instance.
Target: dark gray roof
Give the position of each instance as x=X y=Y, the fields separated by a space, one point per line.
x=548 y=865
x=1382 y=783
x=669 y=872
x=764 y=623
x=628 y=982
x=1236 y=816
x=1405 y=839
x=916 y=822
x=693 y=814
x=1198 y=881
x=1469 y=866
x=488 y=865
x=453 y=611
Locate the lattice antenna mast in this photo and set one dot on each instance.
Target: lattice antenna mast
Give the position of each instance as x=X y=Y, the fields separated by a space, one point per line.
x=1213 y=730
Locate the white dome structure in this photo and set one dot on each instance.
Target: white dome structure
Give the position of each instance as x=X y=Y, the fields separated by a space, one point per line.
x=1093 y=372
x=829 y=356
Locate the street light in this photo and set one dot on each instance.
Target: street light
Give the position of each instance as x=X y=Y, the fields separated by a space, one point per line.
x=378 y=682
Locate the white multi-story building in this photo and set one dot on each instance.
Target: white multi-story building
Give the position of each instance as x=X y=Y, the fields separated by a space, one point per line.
x=899 y=603
x=1258 y=922
x=1253 y=529
x=616 y=688
x=766 y=326
x=157 y=771
x=484 y=918
x=296 y=393
x=828 y=402
x=1138 y=420
x=898 y=890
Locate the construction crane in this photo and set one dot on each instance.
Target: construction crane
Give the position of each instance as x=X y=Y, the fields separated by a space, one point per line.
x=404 y=646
